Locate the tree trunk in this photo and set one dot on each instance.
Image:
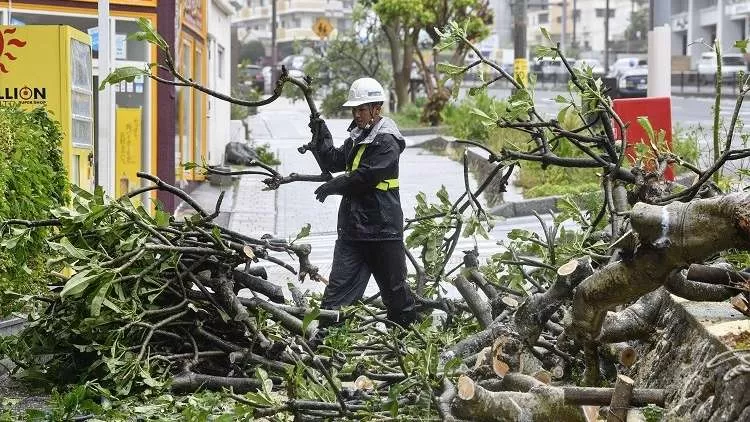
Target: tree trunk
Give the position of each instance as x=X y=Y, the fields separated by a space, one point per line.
x=670 y=237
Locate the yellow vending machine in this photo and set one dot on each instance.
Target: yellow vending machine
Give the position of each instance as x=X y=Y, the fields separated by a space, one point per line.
x=50 y=65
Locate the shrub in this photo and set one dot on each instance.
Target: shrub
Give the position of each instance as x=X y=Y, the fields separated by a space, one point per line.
x=410 y=114
x=33 y=181
x=331 y=106
x=465 y=125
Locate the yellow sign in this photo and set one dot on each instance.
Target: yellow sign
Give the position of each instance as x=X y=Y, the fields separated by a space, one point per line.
x=50 y=66
x=127 y=148
x=322 y=28
x=521 y=71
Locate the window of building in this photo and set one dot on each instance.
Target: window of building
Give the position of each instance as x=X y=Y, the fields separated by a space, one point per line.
x=220 y=60
x=296 y=23
x=600 y=12
x=543 y=18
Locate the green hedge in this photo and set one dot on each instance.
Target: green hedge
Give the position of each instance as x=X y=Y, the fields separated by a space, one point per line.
x=532 y=178
x=33 y=181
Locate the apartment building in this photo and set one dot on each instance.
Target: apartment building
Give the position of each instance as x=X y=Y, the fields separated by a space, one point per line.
x=295 y=19
x=584 y=26
x=706 y=20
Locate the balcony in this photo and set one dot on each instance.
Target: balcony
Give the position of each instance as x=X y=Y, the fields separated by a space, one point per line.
x=737 y=10
x=708 y=16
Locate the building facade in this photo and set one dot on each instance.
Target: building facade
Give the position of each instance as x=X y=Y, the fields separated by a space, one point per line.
x=295 y=19
x=706 y=20
x=584 y=24
x=171 y=126
x=220 y=15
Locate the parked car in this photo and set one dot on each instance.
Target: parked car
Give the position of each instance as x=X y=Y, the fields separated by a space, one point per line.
x=631 y=83
x=548 y=69
x=251 y=75
x=295 y=64
x=595 y=65
x=622 y=64
x=731 y=65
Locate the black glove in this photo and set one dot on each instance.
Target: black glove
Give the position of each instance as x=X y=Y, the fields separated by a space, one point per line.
x=320 y=130
x=334 y=186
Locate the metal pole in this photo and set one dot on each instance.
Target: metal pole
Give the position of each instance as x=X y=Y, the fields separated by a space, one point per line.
x=519 y=29
x=575 y=11
x=564 y=31
x=606 y=37
x=274 y=53
x=105 y=162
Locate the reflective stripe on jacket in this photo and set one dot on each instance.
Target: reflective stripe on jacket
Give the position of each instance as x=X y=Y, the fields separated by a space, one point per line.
x=371 y=206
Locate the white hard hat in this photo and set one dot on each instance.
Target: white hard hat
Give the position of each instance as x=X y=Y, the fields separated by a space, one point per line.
x=364 y=91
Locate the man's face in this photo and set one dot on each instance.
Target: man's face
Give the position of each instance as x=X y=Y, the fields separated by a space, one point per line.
x=364 y=113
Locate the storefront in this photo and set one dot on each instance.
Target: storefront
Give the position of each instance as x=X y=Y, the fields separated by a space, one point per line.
x=139 y=141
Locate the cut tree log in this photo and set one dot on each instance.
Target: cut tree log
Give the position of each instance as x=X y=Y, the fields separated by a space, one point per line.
x=533 y=314
x=618 y=407
x=479 y=306
x=474 y=402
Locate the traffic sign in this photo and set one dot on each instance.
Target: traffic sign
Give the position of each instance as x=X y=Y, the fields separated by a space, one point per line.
x=322 y=28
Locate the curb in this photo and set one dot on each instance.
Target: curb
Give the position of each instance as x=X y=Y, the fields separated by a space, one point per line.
x=421 y=131
x=527 y=207
x=11 y=326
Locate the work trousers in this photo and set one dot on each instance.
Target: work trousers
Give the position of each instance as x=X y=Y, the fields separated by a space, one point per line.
x=355 y=261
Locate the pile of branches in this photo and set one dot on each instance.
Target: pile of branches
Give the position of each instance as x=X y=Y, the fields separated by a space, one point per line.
x=141 y=303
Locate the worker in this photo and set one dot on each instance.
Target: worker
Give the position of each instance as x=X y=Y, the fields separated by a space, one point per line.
x=370 y=220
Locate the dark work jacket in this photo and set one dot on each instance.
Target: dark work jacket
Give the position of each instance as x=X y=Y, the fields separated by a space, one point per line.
x=368 y=213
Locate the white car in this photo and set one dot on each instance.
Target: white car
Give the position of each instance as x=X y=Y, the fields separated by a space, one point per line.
x=553 y=69
x=622 y=64
x=295 y=64
x=595 y=65
x=731 y=65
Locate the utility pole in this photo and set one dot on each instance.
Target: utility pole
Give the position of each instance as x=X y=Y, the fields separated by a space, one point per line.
x=519 y=29
x=564 y=31
x=575 y=12
x=606 y=37
x=520 y=63
x=274 y=52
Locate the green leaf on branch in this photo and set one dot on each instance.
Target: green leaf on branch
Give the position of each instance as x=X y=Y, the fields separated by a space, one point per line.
x=148 y=33
x=304 y=232
x=98 y=299
x=646 y=125
x=741 y=45
x=546 y=34
x=127 y=73
x=450 y=69
x=66 y=248
x=161 y=218
x=310 y=317
x=78 y=283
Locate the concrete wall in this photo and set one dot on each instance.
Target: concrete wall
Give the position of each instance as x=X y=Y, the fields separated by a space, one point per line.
x=219 y=76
